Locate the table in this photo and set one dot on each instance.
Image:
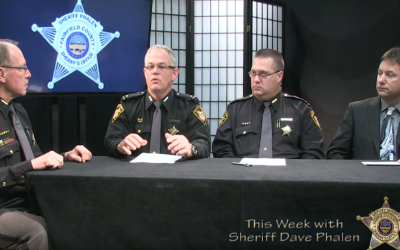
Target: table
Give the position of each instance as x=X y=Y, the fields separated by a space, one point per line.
x=109 y=203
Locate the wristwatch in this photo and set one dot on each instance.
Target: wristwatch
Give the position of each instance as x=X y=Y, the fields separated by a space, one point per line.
x=194 y=150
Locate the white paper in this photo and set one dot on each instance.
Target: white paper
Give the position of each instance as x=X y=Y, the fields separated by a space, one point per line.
x=264 y=161
x=156 y=158
x=380 y=163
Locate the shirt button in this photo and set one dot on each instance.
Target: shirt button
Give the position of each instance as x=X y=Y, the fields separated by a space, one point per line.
x=11 y=151
x=22 y=176
x=4 y=183
x=244 y=132
x=139 y=131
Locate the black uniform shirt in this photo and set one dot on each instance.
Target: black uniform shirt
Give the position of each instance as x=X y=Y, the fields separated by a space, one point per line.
x=13 y=167
x=181 y=114
x=296 y=131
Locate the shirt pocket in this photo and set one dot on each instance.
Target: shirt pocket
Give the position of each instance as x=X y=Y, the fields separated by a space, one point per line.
x=143 y=130
x=8 y=149
x=246 y=138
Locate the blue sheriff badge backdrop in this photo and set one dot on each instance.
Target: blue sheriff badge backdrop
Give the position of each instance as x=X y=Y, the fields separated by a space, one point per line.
x=78 y=38
x=81 y=46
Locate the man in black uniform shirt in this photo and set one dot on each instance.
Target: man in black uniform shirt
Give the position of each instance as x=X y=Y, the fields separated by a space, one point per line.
x=295 y=130
x=183 y=129
x=19 y=154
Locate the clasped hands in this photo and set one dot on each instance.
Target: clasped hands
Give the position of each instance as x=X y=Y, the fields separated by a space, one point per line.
x=177 y=144
x=52 y=160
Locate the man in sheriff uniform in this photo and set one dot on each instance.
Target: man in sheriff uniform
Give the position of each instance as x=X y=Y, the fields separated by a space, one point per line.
x=269 y=123
x=19 y=154
x=159 y=120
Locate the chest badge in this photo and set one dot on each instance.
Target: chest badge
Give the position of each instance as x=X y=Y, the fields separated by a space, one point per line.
x=173 y=130
x=286 y=130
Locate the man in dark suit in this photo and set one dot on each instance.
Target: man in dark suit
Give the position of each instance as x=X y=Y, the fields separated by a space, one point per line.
x=367 y=124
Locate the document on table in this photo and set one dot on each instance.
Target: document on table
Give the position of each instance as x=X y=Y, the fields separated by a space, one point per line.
x=380 y=163
x=156 y=158
x=264 y=161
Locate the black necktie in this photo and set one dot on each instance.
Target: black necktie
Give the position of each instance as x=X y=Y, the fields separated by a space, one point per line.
x=265 y=150
x=156 y=130
x=19 y=130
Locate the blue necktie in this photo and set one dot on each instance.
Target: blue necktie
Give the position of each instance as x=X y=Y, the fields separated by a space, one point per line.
x=387 y=151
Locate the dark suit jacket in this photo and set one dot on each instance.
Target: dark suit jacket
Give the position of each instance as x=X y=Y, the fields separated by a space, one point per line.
x=358 y=134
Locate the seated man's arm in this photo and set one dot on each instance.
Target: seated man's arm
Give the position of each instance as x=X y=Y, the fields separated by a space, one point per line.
x=223 y=142
x=342 y=144
x=14 y=174
x=311 y=139
x=198 y=131
x=119 y=140
x=118 y=129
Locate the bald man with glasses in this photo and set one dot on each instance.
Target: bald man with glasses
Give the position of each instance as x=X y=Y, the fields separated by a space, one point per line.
x=269 y=123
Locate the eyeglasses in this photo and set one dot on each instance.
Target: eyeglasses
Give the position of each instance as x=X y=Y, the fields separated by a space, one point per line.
x=262 y=74
x=24 y=68
x=160 y=67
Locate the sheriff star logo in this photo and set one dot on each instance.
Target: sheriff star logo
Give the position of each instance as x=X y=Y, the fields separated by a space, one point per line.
x=286 y=130
x=77 y=38
x=384 y=224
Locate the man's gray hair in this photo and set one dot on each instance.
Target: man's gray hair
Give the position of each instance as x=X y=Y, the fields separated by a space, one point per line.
x=166 y=49
x=4 y=53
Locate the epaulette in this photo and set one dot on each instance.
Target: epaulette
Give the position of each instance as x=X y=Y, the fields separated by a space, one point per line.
x=137 y=94
x=296 y=97
x=187 y=97
x=242 y=98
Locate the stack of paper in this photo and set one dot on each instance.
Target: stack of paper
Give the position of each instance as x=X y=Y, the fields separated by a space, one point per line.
x=156 y=158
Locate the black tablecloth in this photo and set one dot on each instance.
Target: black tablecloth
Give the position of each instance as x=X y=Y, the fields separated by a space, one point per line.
x=211 y=204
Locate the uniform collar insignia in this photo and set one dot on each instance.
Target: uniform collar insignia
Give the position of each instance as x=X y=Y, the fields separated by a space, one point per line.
x=4 y=101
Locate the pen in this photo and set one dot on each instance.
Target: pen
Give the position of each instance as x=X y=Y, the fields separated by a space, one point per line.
x=242 y=164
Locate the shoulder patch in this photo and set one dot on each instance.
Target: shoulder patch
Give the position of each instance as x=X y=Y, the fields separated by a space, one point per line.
x=118 y=111
x=137 y=94
x=224 y=118
x=200 y=114
x=296 y=97
x=314 y=118
x=242 y=98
